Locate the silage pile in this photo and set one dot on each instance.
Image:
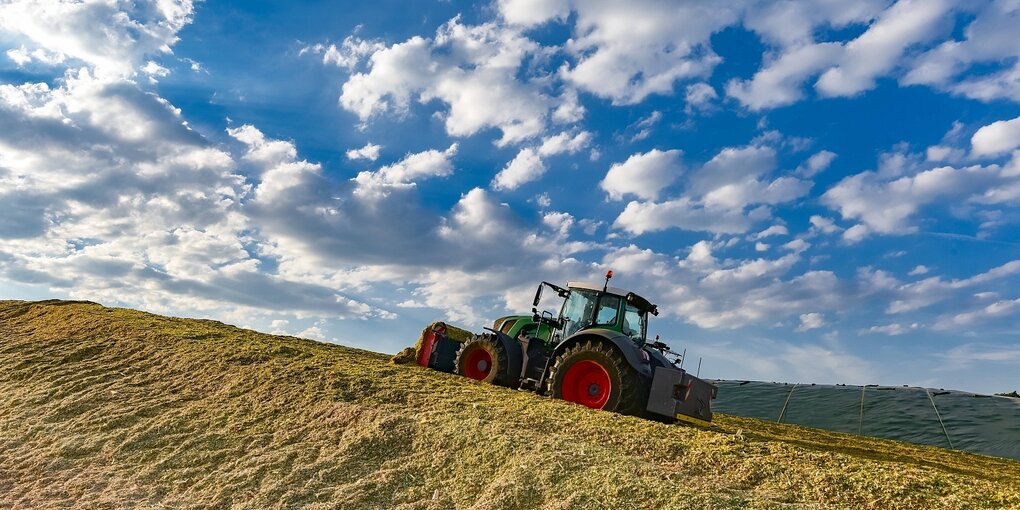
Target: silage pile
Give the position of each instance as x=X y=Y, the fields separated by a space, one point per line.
x=105 y=407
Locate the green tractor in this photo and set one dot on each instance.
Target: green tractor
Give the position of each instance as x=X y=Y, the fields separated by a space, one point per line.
x=596 y=352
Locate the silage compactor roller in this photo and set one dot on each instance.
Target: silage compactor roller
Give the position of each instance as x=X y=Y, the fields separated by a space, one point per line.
x=595 y=352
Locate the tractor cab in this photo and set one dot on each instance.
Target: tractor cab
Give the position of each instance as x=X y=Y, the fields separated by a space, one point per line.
x=588 y=305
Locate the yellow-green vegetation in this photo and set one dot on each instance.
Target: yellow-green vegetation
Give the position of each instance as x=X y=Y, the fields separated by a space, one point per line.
x=104 y=407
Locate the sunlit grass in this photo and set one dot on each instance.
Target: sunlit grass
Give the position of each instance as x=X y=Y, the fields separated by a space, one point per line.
x=111 y=407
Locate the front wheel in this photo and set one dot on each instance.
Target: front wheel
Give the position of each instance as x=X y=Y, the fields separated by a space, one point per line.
x=595 y=375
x=482 y=358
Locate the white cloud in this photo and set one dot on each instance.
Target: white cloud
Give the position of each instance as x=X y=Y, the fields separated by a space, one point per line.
x=987 y=40
x=919 y=270
x=624 y=64
x=153 y=69
x=22 y=56
x=370 y=152
x=313 y=332
x=779 y=82
x=161 y=225
x=533 y=12
x=527 y=166
x=559 y=222
x=823 y=224
x=856 y=233
x=996 y=138
x=809 y=321
x=774 y=230
x=112 y=37
x=913 y=296
x=970 y=353
x=894 y=329
x=886 y=202
x=877 y=51
x=472 y=70
x=797 y=245
x=818 y=162
x=699 y=96
x=405 y=173
x=564 y=143
x=996 y=310
x=641 y=217
x=348 y=55
x=716 y=197
x=643 y=175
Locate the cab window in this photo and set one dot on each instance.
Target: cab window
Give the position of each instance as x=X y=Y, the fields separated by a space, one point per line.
x=608 y=308
x=633 y=322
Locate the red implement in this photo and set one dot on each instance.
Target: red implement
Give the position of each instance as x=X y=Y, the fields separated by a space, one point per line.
x=428 y=343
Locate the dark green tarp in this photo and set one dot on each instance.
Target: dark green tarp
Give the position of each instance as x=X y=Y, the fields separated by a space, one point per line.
x=983 y=424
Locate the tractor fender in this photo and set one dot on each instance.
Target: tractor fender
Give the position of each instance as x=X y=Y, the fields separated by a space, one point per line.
x=626 y=346
x=514 y=355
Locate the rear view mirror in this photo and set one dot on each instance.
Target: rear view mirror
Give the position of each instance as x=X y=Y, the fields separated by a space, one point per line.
x=538 y=295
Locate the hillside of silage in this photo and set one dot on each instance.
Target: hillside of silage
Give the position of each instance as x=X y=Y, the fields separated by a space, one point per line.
x=104 y=407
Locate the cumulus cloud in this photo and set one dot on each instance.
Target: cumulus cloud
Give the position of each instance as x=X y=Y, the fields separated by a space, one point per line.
x=719 y=196
x=643 y=175
x=996 y=138
x=699 y=97
x=351 y=52
x=818 y=162
x=616 y=62
x=405 y=173
x=370 y=152
x=895 y=329
x=877 y=51
x=142 y=209
x=112 y=37
x=987 y=41
x=809 y=321
x=472 y=70
x=886 y=201
x=533 y=12
x=779 y=82
x=527 y=166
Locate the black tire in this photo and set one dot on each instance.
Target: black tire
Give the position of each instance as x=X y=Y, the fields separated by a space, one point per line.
x=496 y=372
x=627 y=394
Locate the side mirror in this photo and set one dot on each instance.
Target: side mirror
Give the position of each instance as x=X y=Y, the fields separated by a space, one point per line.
x=538 y=296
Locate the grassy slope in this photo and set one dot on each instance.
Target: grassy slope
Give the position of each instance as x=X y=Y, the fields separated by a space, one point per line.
x=104 y=407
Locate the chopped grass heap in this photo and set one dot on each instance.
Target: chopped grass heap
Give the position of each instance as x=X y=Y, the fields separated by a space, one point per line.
x=103 y=407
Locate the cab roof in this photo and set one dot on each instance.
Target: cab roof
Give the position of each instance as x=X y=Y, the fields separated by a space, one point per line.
x=639 y=301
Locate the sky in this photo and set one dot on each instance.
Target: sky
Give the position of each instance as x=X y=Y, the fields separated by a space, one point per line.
x=814 y=191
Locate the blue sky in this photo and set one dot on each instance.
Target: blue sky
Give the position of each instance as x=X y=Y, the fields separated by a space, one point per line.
x=813 y=191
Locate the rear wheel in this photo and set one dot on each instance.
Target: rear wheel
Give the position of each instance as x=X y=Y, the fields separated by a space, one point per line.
x=595 y=375
x=482 y=358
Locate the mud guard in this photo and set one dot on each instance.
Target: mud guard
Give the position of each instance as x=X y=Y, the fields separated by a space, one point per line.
x=678 y=394
x=514 y=356
x=631 y=352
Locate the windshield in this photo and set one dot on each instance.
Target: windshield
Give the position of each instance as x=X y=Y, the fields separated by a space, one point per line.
x=577 y=310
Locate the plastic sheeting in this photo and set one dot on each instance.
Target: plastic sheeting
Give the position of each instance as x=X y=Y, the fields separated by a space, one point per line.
x=983 y=424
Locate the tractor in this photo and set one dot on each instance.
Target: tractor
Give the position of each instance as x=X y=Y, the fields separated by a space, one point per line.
x=595 y=352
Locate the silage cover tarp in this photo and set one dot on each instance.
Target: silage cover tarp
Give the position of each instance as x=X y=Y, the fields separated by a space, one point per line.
x=988 y=425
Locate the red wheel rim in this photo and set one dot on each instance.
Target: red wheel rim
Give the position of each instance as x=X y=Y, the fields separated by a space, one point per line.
x=587 y=383
x=478 y=364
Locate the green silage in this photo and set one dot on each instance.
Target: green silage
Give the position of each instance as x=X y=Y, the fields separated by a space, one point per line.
x=104 y=407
